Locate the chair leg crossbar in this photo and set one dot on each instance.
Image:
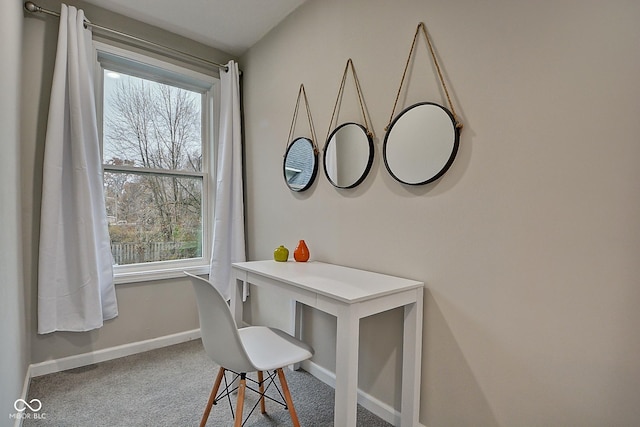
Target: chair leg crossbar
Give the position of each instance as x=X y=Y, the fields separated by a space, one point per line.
x=229 y=388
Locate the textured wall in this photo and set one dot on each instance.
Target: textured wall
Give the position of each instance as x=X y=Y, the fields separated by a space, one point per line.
x=14 y=357
x=528 y=246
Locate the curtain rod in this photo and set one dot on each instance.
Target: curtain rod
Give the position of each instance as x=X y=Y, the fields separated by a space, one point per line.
x=34 y=8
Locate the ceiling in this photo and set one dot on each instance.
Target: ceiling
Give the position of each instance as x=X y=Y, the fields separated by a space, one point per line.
x=229 y=25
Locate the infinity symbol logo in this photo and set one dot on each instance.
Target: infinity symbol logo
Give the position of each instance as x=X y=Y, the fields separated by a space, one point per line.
x=26 y=405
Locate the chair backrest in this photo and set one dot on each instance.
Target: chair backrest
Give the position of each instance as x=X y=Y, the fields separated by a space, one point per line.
x=219 y=331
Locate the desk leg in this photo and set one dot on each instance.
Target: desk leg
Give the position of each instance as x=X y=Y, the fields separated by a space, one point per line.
x=411 y=362
x=236 y=302
x=296 y=326
x=347 y=342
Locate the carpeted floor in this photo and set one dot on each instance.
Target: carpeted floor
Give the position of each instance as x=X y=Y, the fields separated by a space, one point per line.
x=168 y=387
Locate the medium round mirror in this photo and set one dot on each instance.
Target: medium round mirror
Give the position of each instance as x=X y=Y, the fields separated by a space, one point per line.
x=421 y=143
x=348 y=154
x=300 y=164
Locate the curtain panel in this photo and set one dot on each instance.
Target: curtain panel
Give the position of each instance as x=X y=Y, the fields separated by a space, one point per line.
x=228 y=228
x=75 y=274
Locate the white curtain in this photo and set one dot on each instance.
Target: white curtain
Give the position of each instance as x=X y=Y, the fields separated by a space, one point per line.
x=75 y=274
x=228 y=226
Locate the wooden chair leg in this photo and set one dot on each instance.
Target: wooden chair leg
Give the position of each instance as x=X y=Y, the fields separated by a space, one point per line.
x=263 y=409
x=287 y=398
x=212 y=397
x=240 y=404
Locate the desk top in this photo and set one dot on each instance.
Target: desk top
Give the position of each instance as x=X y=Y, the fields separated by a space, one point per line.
x=342 y=283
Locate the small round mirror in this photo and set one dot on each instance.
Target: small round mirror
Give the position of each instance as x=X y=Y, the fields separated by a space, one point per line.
x=348 y=154
x=421 y=143
x=300 y=164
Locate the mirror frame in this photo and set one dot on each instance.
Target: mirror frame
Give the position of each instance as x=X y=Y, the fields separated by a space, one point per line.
x=454 y=150
x=367 y=168
x=312 y=178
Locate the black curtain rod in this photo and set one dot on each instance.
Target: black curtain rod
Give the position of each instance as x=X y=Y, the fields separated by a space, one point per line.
x=34 y=8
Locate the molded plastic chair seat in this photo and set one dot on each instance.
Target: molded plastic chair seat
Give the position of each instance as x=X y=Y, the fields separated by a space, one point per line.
x=270 y=348
x=251 y=349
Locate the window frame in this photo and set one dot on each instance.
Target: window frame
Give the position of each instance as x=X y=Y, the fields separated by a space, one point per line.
x=152 y=68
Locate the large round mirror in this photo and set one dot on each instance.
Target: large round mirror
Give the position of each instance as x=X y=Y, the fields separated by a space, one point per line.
x=300 y=164
x=421 y=143
x=348 y=154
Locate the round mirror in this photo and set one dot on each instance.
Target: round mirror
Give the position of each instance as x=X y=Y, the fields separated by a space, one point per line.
x=348 y=155
x=421 y=143
x=300 y=164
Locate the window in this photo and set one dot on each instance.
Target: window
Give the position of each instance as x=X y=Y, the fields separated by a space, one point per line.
x=156 y=131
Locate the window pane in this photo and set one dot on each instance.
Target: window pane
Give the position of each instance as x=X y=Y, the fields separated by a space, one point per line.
x=151 y=125
x=153 y=218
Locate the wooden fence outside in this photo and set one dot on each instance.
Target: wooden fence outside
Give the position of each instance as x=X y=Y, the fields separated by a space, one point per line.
x=131 y=253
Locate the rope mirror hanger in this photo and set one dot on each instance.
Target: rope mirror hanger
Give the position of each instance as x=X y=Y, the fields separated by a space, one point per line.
x=300 y=164
x=422 y=27
x=348 y=150
x=421 y=142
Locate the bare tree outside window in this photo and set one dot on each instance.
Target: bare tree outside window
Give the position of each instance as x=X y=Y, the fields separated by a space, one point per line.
x=152 y=150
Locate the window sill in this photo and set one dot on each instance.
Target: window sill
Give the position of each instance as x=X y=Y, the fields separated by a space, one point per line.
x=160 y=274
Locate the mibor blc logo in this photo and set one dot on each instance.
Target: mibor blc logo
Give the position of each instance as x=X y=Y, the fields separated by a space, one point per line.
x=21 y=405
x=34 y=406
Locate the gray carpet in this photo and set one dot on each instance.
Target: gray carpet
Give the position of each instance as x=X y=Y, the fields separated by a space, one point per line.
x=168 y=387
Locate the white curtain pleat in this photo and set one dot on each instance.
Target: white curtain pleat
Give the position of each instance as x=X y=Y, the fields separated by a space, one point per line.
x=228 y=226
x=75 y=274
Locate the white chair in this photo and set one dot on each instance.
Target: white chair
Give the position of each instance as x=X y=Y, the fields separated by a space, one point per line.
x=252 y=349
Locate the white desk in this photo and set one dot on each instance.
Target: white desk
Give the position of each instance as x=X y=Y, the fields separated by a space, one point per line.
x=350 y=295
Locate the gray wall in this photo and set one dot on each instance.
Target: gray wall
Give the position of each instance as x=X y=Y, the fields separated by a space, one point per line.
x=14 y=356
x=147 y=310
x=528 y=246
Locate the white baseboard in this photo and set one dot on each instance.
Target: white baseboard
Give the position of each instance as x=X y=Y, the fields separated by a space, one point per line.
x=23 y=396
x=79 y=360
x=375 y=406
